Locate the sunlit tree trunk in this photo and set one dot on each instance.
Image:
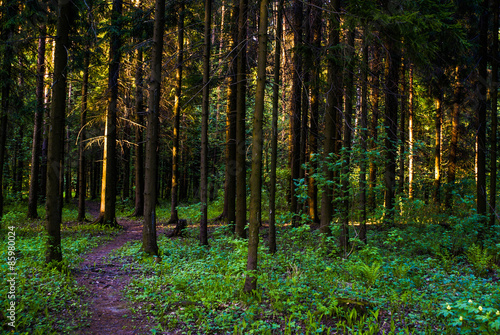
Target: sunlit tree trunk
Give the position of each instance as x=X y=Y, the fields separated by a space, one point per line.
x=55 y=151
x=274 y=129
x=241 y=206
x=437 y=151
x=256 y=174
x=402 y=131
x=332 y=103
x=315 y=97
x=37 y=129
x=177 y=117
x=411 y=143
x=82 y=162
x=107 y=213
x=494 y=116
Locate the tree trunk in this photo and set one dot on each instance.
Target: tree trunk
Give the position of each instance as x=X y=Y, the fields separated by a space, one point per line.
x=411 y=140
x=241 y=199
x=37 y=129
x=230 y=169
x=346 y=159
x=481 y=116
x=437 y=151
x=312 y=190
x=177 y=117
x=295 y=108
x=107 y=213
x=390 y=123
x=494 y=116
x=373 y=142
x=149 y=242
x=139 y=149
x=402 y=132
x=82 y=167
x=204 y=125
x=274 y=130
x=332 y=103
x=55 y=150
x=363 y=140
x=256 y=175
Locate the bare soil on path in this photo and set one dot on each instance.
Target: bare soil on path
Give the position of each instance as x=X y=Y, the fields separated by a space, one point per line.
x=105 y=280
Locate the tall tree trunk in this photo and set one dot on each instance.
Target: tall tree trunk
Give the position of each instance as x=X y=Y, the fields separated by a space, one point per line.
x=363 y=139
x=390 y=123
x=481 y=116
x=230 y=169
x=149 y=242
x=373 y=143
x=37 y=129
x=346 y=159
x=494 y=116
x=402 y=131
x=312 y=190
x=107 y=213
x=256 y=175
x=241 y=199
x=55 y=151
x=204 y=125
x=82 y=161
x=274 y=130
x=332 y=103
x=139 y=149
x=437 y=151
x=177 y=117
x=295 y=107
x=6 y=36
x=411 y=141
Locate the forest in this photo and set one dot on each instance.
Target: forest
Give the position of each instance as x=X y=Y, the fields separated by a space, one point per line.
x=239 y=167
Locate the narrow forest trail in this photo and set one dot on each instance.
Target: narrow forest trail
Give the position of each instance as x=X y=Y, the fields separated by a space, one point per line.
x=105 y=280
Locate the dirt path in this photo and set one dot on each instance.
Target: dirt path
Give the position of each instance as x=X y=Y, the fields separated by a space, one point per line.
x=110 y=313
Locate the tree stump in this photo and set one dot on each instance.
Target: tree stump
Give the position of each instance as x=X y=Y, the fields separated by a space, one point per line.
x=180 y=229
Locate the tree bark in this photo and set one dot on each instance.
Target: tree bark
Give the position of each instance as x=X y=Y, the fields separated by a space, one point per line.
x=149 y=242
x=411 y=141
x=481 y=116
x=274 y=130
x=37 y=129
x=204 y=125
x=241 y=199
x=139 y=149
x=107 y=215
x=256 y=175
x=373 y=142
x=55 y=150
x=295 y=108
x=82 y=161
x=177 y=117
x=437 y=151
x=363 y=139
x=494 y=116
x=332 y=104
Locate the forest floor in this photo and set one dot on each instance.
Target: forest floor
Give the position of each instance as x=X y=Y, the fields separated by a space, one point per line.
x=105 y=280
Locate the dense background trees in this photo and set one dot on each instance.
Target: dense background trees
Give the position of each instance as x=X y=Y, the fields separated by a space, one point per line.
x=376 y=107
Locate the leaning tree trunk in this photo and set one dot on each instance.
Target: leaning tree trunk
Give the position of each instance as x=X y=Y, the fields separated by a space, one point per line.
x=274 y=130
x=107 y=213
x=204 y=125
x=256 y=175
x=149 y=242
x=55 y=151
x=37 y=129
x=177 y=118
